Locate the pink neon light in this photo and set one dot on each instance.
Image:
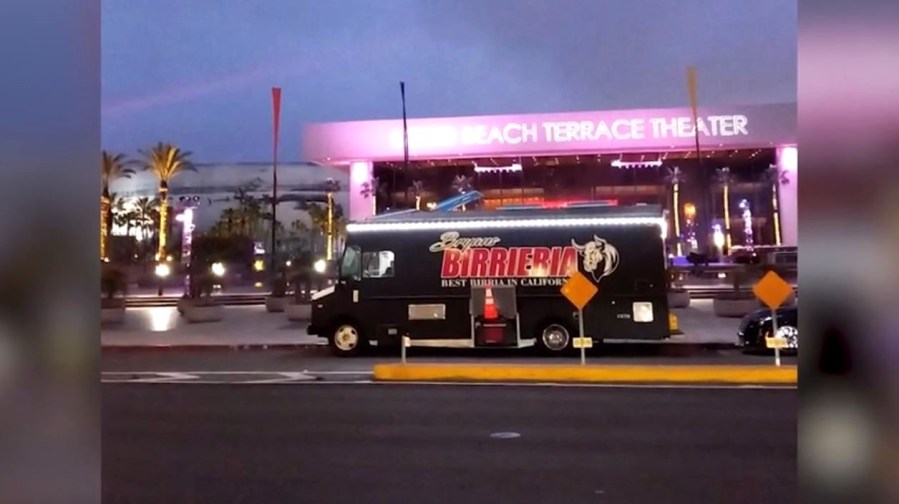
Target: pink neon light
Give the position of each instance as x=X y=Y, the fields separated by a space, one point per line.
x=652 y=130
x=360 y=172
x=789 y=158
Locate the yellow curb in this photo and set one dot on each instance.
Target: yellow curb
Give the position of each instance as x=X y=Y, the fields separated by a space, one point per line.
x=587 y=374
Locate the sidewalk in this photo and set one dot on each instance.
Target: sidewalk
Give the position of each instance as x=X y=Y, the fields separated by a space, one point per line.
x=242 y=327
x=253 y=327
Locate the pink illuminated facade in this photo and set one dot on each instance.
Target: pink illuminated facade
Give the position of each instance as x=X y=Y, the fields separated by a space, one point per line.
x=585 y=154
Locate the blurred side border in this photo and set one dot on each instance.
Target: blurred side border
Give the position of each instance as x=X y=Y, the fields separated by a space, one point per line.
x=49 y=317
x=849 y=232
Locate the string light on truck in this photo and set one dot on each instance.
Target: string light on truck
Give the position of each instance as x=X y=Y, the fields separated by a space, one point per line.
x=362 y=227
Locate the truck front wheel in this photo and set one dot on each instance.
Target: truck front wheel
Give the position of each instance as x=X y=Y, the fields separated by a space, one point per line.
x=346 y=340
x=554 y=338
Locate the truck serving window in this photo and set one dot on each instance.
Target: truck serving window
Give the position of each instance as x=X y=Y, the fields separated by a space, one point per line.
x=350 y=266
x=377 y=264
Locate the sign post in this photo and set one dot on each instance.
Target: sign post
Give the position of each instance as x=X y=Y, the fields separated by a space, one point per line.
x=773 y=291
x=579 y=290
x=407 y=342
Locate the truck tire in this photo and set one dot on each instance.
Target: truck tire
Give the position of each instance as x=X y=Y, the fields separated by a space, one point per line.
x=554 y=338
x=346 y=339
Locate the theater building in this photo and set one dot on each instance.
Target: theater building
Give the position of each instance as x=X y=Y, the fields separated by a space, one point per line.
x=739 y=179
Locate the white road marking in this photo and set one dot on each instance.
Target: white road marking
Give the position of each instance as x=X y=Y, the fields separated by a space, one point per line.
x=166 y=377
x=309 y=378
x=285 y=377
x=505 y=435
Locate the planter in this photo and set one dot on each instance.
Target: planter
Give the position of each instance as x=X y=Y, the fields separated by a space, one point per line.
x=181 y=304
x=298 y=312
x=275 y=304
x=735 y=305
x=197 y=312
x=678 y=298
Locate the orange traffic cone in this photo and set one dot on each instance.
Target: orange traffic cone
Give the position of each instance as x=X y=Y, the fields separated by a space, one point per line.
x=490 y=311
x=493 y=332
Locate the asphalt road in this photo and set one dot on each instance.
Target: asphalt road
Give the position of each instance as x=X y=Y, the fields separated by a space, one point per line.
x=339 y=443
x=320 y=360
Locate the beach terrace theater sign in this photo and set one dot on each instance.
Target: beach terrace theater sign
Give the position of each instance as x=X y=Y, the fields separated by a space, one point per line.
x=359 y=143
x=622 y=131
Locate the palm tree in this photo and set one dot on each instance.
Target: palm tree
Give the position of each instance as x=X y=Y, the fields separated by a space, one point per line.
x=165 y=161
x=331 y=187
x=112 y=167
x=776 y=177
x=417 y=189
x=120 y=215
x=373 y=189
x=725 y=178
x=462 y=184
x=299 y=228
x=675 y=178
x=318 y=214
x=147 y=210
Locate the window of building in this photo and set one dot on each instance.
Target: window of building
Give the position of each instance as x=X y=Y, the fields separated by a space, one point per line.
x=377 y=264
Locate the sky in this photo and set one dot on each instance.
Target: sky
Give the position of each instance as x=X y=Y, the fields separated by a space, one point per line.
x=199 y=73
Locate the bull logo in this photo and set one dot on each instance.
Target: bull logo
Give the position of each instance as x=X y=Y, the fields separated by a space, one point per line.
x=599 y=257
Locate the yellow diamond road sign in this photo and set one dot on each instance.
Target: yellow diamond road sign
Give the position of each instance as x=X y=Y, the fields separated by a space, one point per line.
x=579 y=290
x=772 y=290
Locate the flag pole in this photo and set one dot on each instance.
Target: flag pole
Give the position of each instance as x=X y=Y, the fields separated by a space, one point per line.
x=405 y=146
x=276 y=111
x=694 y=108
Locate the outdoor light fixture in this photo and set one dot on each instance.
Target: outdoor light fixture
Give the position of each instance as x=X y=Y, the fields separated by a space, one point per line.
x=320 y=266
x=690 y=214
x=747 y=222
x=690 y=211
x=617 y=163
x=218 y=269
x=361 y=227
x=718 y=236
x=258 y=265
x=162 y=270
x=186 y=218
x=515 y=167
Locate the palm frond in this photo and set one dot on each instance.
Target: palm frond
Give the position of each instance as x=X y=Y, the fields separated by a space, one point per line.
x=675 y=176
x=113 y=167
x=165 y=161
x=724 y=175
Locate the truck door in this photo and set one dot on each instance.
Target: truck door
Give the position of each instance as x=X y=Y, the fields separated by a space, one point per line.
x=378 y=300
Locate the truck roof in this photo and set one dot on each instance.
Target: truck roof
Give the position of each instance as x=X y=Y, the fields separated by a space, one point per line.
x=518 y=217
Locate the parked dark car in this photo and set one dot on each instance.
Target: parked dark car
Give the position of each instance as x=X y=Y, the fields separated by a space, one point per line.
x=756 y=326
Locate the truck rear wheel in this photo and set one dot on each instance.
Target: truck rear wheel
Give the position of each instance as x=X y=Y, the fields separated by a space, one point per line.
x=554 y=338
x=346 y=340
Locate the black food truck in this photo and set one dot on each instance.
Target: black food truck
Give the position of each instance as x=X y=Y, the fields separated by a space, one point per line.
x=493 y=279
